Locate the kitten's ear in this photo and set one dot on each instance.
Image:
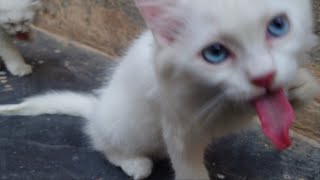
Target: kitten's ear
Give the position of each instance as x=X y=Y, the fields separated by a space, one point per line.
x=163 y=18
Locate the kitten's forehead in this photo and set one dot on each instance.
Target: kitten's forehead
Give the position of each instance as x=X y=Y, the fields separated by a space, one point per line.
x=15 y=11
x=244 y=5
x=246 y=18
x=231 y=11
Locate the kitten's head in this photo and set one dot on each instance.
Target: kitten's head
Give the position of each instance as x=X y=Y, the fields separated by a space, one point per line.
x=243 y=47
x=17 y=15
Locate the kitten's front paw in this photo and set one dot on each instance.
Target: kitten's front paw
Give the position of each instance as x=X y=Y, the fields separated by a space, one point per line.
x=137 y=168
x=303 y=89
x=20 y=69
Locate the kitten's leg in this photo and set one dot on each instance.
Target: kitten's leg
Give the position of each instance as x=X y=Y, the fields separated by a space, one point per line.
x=133 y=164
x=12 y=57
x=187 y=164
x=304 y=88
x=137 y=167
x=187 y=158
x=120 y=145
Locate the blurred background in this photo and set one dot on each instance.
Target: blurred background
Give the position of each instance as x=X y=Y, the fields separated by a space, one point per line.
x=107 y=25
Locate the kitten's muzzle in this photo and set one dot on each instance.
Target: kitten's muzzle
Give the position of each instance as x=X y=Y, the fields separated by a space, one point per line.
x=24 y=36
x=265 y=81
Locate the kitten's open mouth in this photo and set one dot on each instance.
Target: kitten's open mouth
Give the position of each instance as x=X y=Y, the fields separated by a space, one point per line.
x=24 y=36
x=276 y=116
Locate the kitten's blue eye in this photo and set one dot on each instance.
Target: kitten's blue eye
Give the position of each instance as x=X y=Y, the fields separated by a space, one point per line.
x=215 y=53
x=279 y=26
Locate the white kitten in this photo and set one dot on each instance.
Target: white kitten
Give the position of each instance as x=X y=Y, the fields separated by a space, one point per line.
x=192 y=79
x=15 y=19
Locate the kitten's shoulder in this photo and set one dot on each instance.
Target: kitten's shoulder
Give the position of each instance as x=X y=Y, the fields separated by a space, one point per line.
x=143 y=45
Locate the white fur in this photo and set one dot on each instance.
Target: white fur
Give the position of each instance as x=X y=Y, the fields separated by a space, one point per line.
x=15 y=17
x=164 y=99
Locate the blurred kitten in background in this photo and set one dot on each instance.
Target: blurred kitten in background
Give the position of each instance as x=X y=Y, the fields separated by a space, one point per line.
x=15 y=19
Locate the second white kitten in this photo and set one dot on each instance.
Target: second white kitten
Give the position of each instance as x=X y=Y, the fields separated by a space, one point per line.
x=15 y=19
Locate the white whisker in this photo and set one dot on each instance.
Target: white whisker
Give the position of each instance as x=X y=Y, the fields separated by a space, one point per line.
x=214 y=101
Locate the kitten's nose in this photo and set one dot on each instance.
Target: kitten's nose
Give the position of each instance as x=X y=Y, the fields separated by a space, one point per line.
x=264 y=81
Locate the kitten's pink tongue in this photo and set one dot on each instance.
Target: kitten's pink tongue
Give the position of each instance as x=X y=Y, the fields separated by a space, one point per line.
x=276 y=116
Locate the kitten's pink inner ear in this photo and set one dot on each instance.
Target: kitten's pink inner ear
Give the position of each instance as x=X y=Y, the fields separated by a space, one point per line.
x=149 y=13
x=159 y=18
